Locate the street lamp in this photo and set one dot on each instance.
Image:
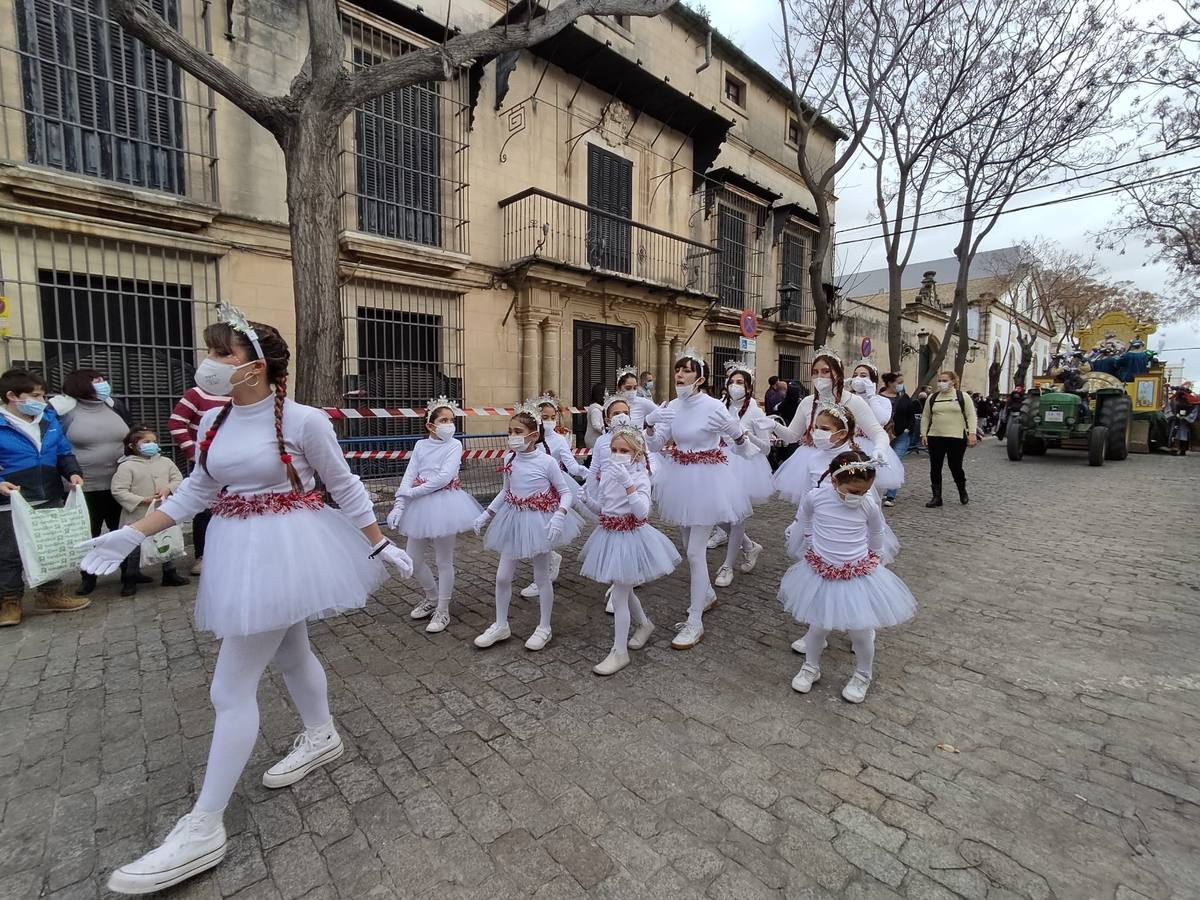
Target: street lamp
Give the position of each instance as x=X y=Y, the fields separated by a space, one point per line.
x=789 y=293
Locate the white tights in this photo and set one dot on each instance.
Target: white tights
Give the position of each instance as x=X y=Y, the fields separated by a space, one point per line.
x=241 y=662
x=862 y=640
x=541 y=577
x=440 y=588
x=737 y=541
x=696 y=538
x=626 y=607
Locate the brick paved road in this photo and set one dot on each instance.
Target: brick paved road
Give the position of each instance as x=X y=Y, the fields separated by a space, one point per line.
x=1055 y=647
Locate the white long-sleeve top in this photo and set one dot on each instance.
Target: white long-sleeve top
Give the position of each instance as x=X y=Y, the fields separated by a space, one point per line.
x=561 y=451
x=753 y=413
x=697 y=422
x=244 y=459
x=611 y=498
x=639 y=408
x=840 y=532
x=533 y=472
x=435 y=463
x=864 y=418
x=881 y=406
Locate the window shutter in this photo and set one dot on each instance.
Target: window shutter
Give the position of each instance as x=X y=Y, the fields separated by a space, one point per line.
x=731 y=239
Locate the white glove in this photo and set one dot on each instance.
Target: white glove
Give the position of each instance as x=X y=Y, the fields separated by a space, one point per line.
x=404 y=493
x=397 y=513
x=747 y=449
x=764 y=426
x=660 y=415
x=787 y=534
x=393 y=556
x=620 y=474
x=481 y=523
x=554 y=529
x=107 y=552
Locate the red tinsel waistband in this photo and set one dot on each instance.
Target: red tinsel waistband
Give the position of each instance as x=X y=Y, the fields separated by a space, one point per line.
x=546 y=501
x=627 y=522
x=454 y=485
x=698 y=457
x=845 y=571
x=242 y=506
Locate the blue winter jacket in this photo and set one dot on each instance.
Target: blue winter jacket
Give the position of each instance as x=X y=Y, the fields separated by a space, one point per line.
x=40 y=474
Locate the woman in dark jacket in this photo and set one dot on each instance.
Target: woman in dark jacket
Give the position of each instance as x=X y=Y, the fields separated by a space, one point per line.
x=787 y=411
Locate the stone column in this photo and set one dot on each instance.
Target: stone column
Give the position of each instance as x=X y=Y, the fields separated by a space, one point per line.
x=662 y=368
x=551 y=353
x=528 y=320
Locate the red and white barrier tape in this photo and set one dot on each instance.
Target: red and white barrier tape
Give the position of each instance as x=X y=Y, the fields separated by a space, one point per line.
x=416 y=412
x=467 y=454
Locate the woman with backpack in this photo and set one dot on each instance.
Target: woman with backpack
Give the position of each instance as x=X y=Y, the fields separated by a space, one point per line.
x=947 y=430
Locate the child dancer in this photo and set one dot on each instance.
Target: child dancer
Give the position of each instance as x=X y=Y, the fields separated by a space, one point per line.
x=616 y=415
x=529 y=518
x=432 y=509
x=556 y=445
x=841 y=582
x=865 y=384
x=143 y=476
x=627 y=388
x=625 y=551
x=753 y=475
x=276 y=556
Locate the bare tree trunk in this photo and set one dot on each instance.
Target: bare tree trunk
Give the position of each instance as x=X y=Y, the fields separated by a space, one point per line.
x=994 y=377
x=816 y=279
x=895 y=308
x=310 y=154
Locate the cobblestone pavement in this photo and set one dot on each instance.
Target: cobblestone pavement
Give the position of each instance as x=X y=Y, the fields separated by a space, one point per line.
x=1055 y=649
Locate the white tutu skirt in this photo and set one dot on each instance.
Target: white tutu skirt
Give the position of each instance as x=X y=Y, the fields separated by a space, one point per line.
x=628 y=557
x=753 y=475
x=791 y=478
x=889 y=476
x=271 y=571
x=699 y=494
x=439 y=514
x=887 y=552
x=521 y=533
x=877 y=600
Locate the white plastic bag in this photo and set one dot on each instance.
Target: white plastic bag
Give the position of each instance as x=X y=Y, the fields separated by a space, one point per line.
x=164 y=546
x=49 y=539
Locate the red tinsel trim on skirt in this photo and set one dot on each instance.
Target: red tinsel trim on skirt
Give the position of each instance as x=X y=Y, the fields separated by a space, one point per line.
x=699 y=457
x=627 y=522
x=546 y=501
x=241 y=506
x=846 y=570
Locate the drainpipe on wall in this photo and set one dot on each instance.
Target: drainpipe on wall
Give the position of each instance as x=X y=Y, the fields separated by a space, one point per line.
x=707 y=53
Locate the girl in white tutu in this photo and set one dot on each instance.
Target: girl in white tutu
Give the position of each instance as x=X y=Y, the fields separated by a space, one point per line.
x=276 y=556
x=529 y=518
x=753 y=475
x=828 y=382
x=865 y=383
x=841 y=582
x=432 y=509
x=696 y=487
x=625 y=550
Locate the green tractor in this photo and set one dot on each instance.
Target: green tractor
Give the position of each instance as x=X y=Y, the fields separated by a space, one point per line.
x=1065 y=420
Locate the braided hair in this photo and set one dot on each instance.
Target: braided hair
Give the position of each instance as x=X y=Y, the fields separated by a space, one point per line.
x=533 y=424
x=839 y=382
x=224 y=339
x=865 y=473
x=749 y=390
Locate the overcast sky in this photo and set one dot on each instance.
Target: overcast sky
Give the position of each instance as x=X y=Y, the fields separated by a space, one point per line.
x=754 y=25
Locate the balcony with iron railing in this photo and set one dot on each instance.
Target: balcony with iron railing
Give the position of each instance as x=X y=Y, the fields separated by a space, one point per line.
x=544 y=227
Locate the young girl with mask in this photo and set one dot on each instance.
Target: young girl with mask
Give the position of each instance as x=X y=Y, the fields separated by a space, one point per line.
x=840 y=582
x=277 y=556
x=528 y=518
x=143 y=476
x=696 y=487
x=829 y=387
x=865 y=383
x=753 y=475
x=432 y=509
x=625 y=551
x=616 y=415
x=640 y=405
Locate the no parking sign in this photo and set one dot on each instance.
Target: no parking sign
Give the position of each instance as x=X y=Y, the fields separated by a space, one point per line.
x=866 y=348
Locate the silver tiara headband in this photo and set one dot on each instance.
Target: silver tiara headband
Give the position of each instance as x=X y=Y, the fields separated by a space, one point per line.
x=442 y=402
x=738 y=365
x=867 y=364
x=230 y=315
x=529 y=407
x=544 y=400
x=625 y=372
x=861 y=465
x=825 y=351
x=610 y=399
x=631 y=434
x=834 y=410
x=693 y=354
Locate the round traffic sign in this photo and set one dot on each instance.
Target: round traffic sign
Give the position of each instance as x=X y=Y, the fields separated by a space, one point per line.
x=749 y=323
x=866 y=347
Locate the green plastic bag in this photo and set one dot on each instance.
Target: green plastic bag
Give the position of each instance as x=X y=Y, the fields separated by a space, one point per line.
x=49 y=538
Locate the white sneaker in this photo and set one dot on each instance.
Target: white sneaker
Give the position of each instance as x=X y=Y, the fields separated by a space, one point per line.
x=718 y=538
x=608 y=608
x=530 y=591
x=688 y=637
x=494 y=634
x=801 y=647
x=611 y=664
x=311 y=749
x=712 y=600
x=424 y=609
x=437 y=623
x=183 y=853
x=750 y=557
x=539 y=639
x=806 y=678
x=855 y=690
x=641 y=635
x=724 y=577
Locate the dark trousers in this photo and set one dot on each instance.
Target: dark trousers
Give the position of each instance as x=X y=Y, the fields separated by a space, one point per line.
x=200 y=531
x=131 y=568
x=103 y=509
x=11 y=582
x=950 y=450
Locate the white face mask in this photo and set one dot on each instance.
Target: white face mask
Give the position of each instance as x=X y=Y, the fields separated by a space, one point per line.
x=823 y=386
x=618 y=420
x=852 y=499
x=516 y=442
x=683 y=391
x=944 y=385
x=629 y=393
x=217 y=378
x=861 y=384
x=445 y=431
x=620 y=459
x=822 y=438
x=737 y=392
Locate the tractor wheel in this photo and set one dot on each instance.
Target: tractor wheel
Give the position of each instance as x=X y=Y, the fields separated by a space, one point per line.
x=1028 y=410
x=1013 y=436
x=1097 y=444
x=1036 y=447
x=1114 y=414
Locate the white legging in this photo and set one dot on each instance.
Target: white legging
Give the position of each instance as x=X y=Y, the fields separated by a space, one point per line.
x=626 y=607
x=241 y=662
x=696 y=539
x=862 y=640
x=440 y=588
x=541 y=577
x=737 y=541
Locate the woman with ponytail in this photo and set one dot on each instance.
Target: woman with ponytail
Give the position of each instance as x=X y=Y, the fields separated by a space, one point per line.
x=276 y=556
